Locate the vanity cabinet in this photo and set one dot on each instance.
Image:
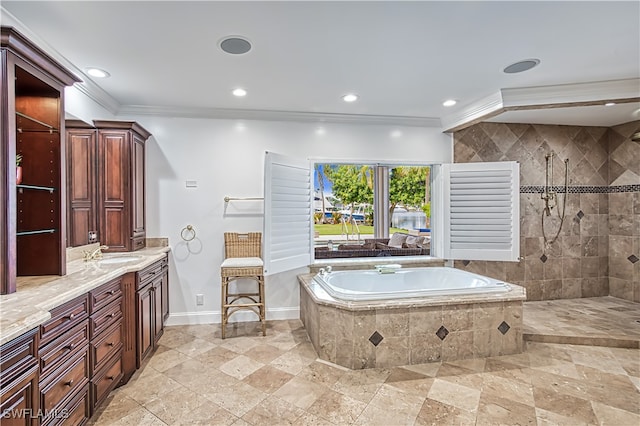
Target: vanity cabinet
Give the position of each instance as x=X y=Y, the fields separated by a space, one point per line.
x=106 y=184
x=65 y=364
x=32 y=212
x=105 y=327
x=151 y=301
x=19 y=374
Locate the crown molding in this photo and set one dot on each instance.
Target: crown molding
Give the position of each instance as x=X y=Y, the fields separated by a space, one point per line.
x=271 y=115
x=542 y=97
x=86 y=86
x=473 y=113
x=568 y=94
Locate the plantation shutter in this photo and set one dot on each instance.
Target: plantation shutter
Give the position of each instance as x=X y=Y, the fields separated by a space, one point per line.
x=287 y=214
x=481 y=211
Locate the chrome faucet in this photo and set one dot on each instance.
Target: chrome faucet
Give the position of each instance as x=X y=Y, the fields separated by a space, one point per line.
x=93 y=255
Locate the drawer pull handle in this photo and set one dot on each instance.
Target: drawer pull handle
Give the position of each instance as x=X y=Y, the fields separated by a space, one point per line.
x=112 y=292
x=110 y=344
x=112 y=315
x=71 y=316
x=69 y=383
x=110 y=377
x=71 y=346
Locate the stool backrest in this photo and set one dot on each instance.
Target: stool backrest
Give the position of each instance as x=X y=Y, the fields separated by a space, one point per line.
x=242 y=245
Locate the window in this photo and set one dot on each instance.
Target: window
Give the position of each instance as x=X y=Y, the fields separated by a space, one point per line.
x=474 y=208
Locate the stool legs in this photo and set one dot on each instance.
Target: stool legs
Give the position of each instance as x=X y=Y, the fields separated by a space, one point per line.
x=229 y=305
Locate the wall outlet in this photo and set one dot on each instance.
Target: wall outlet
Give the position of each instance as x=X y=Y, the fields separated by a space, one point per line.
x=199 y=299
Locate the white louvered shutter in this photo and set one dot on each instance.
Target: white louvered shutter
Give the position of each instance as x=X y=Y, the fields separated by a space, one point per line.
x=287 y=213
x=482 y=211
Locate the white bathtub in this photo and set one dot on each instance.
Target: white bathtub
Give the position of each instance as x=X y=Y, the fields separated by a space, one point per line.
x=406 y=283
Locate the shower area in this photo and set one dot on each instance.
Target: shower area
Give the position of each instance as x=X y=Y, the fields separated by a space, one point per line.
x=579 y=225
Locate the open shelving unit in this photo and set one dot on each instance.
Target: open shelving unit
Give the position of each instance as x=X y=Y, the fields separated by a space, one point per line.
x=32 y=213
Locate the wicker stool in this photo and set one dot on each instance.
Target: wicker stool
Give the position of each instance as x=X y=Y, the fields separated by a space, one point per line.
x=242 y=260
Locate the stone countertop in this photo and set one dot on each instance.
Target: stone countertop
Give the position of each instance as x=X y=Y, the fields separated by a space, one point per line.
x=29 y=306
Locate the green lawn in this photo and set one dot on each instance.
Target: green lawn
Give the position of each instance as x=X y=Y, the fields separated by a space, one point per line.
x=330 y=229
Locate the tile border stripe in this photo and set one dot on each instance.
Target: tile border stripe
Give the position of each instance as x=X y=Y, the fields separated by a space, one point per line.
x=539 y=189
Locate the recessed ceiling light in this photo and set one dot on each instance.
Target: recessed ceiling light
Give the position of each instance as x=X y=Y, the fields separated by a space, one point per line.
x=320 y=131
x=350 y=97
x=239 y=92
x=235 y=45
x=610 y=104
x=521 y=66
x=449 y=102
x=395 y=133
x=97 y=72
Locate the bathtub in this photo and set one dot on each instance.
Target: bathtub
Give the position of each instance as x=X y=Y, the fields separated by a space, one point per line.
x=368 y=319
x=406 y=283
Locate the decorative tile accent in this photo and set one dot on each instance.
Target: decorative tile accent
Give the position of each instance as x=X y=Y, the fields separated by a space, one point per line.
x=543 y=258
x=633 y=258
x=580 y=214
x=503 y=327
x=466 y=262
x=442 y=332
x=376 y=338
x=539 y=189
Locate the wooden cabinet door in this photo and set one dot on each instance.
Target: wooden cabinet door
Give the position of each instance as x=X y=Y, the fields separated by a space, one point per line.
x=146 y=316
x=20 y=402
x=165 y=295
x=81 y=186
x=114 y=194
x=158 y=319
x=137 y=193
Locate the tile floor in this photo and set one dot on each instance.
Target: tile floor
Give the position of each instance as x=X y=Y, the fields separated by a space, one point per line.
x=196 y=378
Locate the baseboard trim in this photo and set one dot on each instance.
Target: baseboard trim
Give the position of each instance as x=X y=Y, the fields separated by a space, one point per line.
x=214 y=317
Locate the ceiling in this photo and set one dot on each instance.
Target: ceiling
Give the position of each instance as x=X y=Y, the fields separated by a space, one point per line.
x=402 y=58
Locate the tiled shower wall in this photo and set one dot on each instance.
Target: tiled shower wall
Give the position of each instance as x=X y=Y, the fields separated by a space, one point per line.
x=596 y=252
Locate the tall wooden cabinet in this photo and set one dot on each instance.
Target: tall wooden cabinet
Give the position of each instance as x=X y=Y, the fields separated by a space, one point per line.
x=32 y=214
x=106 y=184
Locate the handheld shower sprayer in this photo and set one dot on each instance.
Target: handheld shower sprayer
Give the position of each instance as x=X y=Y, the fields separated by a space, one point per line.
x=550 y=197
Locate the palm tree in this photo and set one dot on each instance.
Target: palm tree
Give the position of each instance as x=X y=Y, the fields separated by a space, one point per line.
x=320 y=175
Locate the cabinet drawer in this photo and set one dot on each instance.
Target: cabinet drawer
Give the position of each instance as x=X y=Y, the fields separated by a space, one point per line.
x=61 y=349
x=138 y=243
x=18 y=355
x=103 y=295
x=146 y=275
x=65 y=381
x=106 y=380
x=105 y=318
x=74 y=412
x=64 y=318
x=105 y=347
x=20 y=397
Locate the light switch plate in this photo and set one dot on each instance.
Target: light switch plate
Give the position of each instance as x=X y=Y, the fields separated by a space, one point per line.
x=191 y=183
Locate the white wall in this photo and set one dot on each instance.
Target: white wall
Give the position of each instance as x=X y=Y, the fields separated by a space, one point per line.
x=226 y=158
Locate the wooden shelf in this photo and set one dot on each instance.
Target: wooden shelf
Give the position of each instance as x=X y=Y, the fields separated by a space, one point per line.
x=45 y=127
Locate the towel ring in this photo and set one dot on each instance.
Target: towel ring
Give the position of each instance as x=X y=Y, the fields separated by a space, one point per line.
x=188 y=233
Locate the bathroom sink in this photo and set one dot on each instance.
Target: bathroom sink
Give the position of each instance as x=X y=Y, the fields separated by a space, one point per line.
x=115 y=260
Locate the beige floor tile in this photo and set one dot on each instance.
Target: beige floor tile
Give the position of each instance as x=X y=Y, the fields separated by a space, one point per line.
x=263 y=353
x=322 y=372
x=611 y=416
x=549 y=418
x=449 y=393
x=495 y=410
x=173 y=338
x=239 y=344
x=149 y=388
x=195 y=347
x=515 y=390
x=301 y=392
x=216 y=357
x=237 y=399
x=337 y=408
x=291 y=363
x=167 y=359
x=207 y=415
x=240 y=367
x=179 y=404
x=564 y=404
x=267 y=379
x=273 y=408
x=308 y=419
x=141 y=417
x=404 y=404
x=436 y=413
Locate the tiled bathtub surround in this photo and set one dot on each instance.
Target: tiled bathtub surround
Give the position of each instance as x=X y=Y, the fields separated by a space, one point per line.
x=600 y=238
x=360 y=335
